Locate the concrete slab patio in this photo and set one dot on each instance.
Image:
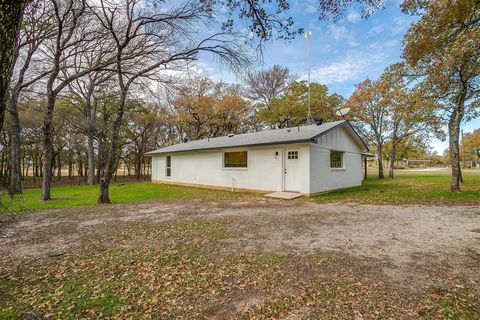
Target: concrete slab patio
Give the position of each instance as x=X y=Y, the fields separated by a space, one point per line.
x=284 y=195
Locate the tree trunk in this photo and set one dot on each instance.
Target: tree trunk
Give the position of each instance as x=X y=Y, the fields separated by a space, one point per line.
x=35 y=169
x=47 y=148
x=10 y=19
x=54 y=157
x=454 y=140
x=128 y=168
x=393 y=157
x=79 y=169
x=99 y=167
x=380 y=161
x=15 y=151
x=2 y=163
x=90 y=139
x=454 y=133
x=80 y=166
x=101 y=153
x=104 y=196
x=91 y=158
x=138 y=167
x=110 y=167
x=70 y=165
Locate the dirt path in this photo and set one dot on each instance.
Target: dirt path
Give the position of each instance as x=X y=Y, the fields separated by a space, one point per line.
x=396 y=234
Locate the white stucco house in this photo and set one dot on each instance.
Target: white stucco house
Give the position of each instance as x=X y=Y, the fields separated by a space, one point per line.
x=306 y=159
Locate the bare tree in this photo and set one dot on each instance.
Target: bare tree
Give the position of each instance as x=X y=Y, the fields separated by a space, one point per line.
x=36 y=29
x=74 y=31
x=86 y=90
x=147 y=39
x=266 y=85
x=140 y=134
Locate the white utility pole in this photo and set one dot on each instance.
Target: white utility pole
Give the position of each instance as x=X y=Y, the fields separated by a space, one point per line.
x=308 y=36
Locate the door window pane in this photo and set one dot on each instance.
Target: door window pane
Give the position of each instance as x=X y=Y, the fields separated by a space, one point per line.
x=292 y=155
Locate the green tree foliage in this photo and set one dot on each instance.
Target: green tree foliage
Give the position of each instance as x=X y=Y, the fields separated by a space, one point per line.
x=392 y=112
x=291 y=109
x=371 y=111
x=470 y=146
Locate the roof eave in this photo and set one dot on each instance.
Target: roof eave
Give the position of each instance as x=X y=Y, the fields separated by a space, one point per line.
x=232 y=147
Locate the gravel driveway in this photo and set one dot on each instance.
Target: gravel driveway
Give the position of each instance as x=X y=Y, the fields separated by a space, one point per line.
x=395 y=234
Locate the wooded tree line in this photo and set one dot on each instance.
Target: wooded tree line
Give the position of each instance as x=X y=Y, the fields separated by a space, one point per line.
x=197 y=107
x=83 y=53
x=98 y=60
x=436 y=84
x=191 y=107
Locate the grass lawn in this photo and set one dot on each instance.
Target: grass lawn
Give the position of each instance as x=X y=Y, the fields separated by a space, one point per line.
x=423 y=187
x=77 y=196
x=407 y=187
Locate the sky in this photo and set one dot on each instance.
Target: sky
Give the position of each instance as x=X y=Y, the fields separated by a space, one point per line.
x=338 y=54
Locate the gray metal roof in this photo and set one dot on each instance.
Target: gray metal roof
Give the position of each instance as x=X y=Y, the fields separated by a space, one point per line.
x=276 y=136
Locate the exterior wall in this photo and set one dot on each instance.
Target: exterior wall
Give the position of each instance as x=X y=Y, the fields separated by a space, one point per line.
x=264 y=172
x=322 y=177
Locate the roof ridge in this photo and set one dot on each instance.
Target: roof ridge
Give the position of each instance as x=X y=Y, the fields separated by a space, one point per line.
x=256 y=138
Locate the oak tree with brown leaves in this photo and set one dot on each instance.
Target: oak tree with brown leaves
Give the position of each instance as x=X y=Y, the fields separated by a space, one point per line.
x=443 y=48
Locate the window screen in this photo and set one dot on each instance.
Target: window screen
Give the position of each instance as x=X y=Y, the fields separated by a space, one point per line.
x=235 y=159
x=336 y=159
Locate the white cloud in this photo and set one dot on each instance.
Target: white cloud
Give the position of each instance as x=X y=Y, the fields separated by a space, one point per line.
x=376 y=30
x=353 y=17
x=302 y=6
x=397 y=26
x=314 y=25
x=353 y=44
x=351 y=68
x=338 y=32
x=400 y=25
x=382 y=45
x=192 y=70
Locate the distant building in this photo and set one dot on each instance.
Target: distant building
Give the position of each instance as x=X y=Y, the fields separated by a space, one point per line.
x=416 y=163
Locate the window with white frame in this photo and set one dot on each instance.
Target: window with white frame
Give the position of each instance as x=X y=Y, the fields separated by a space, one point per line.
x=336 y=159
x=168 y=166
x=292 y=155
x=235 y=159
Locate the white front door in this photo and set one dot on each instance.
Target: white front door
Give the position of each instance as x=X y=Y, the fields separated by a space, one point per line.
x=292 y=170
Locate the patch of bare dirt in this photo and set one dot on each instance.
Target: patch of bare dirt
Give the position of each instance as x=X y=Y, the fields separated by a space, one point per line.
x=402 y=238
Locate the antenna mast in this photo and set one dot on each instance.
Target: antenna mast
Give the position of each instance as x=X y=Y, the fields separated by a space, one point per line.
x=308 y=36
